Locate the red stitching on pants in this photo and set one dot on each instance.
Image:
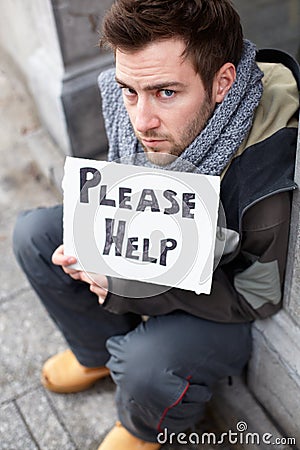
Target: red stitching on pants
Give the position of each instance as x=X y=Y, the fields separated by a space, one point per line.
x=167 y=409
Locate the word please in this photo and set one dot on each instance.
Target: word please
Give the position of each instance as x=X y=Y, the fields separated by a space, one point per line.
x=146 y=199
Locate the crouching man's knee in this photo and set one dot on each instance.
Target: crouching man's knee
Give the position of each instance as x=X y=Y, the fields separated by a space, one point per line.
x=36 y=235
x=144 y=377
x=151 y=395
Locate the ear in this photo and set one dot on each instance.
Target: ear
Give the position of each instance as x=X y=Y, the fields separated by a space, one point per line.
x=223 y=81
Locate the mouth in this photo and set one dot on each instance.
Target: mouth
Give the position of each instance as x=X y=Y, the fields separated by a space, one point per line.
x=152 y=142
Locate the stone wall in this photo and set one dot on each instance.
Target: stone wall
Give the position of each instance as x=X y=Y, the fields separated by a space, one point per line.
x=78 y=25
x=271 y=23
x=54 y=43
x=28 y=34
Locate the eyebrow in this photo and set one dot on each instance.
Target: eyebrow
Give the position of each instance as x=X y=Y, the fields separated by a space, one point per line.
x=154 y=87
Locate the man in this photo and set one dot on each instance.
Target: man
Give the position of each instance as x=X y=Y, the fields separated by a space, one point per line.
x=186 y=88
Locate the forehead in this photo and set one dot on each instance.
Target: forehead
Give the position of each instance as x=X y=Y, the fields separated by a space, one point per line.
x=157 y=61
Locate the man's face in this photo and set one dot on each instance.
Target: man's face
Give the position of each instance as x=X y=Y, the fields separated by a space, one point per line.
x=165 y=98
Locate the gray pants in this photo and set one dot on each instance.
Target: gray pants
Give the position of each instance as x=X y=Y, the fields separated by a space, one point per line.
x=164 y=368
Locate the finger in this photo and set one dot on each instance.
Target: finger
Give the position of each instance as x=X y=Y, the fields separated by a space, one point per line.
x=101 y=300
x=60 y=259
x=76 y=275
x=98 y=290
x=96 y=279
x=86 y=277
x=71 y=271
x=101 y=293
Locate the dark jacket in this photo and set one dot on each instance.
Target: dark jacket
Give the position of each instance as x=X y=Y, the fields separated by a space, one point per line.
x=256 y=196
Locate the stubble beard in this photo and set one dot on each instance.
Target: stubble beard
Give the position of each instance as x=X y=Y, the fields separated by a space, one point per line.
x=189 y=133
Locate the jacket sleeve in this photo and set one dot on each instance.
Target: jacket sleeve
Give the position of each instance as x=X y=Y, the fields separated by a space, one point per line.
x=259 y=271
x=247 y=288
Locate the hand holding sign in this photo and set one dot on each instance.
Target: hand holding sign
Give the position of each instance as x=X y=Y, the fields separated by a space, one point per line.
x=60 y=259
x=98 y=283
x=143 y=224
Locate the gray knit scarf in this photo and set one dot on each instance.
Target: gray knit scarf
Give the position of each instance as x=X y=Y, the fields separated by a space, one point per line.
x=213 y=148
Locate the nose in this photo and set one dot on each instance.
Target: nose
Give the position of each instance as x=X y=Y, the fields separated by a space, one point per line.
x=146 y=117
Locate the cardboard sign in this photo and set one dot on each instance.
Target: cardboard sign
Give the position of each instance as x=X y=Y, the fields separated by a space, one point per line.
x=142 y=224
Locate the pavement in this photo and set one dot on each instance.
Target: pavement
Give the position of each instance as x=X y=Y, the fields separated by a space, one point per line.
x=30 y=417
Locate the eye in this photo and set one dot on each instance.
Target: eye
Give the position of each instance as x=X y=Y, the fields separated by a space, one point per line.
x=166 y=93
x=128 y=92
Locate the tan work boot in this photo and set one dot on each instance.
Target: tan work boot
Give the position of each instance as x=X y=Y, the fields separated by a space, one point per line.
x=120 y=439
x=63 y=373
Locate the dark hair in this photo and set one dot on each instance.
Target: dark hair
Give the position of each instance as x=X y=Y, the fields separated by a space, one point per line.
x=211 y=30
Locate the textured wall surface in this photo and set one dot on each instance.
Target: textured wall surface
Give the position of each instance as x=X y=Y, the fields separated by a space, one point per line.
x=271 y=23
